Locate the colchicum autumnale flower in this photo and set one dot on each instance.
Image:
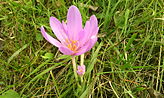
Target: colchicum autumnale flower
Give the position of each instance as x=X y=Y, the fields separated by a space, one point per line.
x=73 y=39
x=81 y=70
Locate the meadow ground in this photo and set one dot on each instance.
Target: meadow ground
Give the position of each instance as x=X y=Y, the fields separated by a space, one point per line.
x=127 y=60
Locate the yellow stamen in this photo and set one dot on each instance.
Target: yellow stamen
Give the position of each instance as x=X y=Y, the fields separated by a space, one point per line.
x=80 y=70
x=72 y=45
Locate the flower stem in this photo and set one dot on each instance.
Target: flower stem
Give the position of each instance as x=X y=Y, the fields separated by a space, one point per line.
x=82 y=59
x=74 y=67
x=81 y=63
x=81 y=79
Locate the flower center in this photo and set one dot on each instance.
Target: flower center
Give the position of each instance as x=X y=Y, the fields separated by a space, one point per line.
x=81 y=70
x=72 y=45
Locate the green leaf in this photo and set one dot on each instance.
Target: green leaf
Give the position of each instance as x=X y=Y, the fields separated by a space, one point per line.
x=10 y=94
x=137 y=89
x=118 y=19
x=130 y=41
x=64 y=57
x=93 y=59
x=48 y=55
x=17 y=52
x=42 y=73
x=39 y=37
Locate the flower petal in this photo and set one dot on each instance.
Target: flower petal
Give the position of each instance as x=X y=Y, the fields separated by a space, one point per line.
x=81 y=67
x=93 y=21
x=66 y=51
x=74 y=22
x=87 y=46
x=83 y=49
x=65 y=27
x=93 y=24
x=58 y=29
x=49 y=38
x=83 y=36
x=92 y=43
x=90 y=29
x=81 y=70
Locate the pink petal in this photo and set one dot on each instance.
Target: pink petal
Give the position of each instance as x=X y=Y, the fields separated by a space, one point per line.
x=93 y=24
x=85 y=34
x=87 y=46
x=93 y=21
x=81 y=35
x=92 y=43
x=57 y=28
x=49 y=38
x=65 y=27
x=81 y=70
x=82 y=67
x=74 y=22
x=83 y=48
x=66 y=51
x=90 y=29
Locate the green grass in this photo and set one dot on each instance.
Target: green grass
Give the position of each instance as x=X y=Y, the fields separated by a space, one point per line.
x=127 y=61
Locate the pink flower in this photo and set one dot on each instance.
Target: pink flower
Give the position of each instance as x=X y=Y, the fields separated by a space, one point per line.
x=72 y=38
x=81 y=70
